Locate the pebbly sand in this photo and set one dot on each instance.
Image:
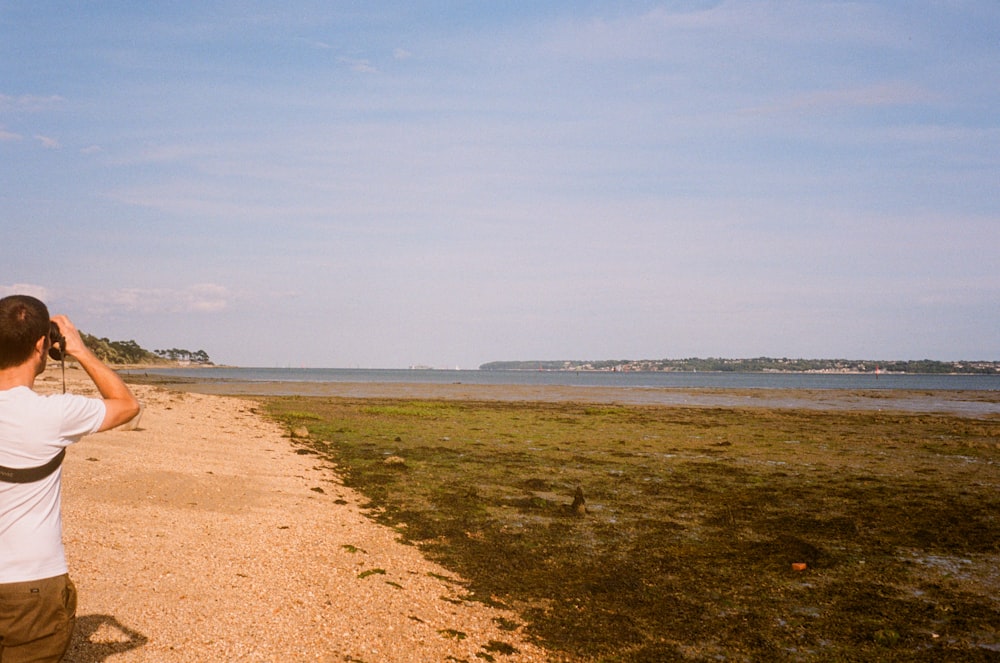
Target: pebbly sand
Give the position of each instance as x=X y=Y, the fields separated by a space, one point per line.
x=203 y=536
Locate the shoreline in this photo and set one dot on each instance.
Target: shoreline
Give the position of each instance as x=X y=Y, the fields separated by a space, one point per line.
x=205 y=534
x=966 y=403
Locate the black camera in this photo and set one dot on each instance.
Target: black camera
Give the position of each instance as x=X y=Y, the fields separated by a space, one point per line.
x=57 y=342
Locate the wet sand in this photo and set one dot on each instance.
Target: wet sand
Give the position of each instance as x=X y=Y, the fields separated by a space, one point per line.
x=964 y=403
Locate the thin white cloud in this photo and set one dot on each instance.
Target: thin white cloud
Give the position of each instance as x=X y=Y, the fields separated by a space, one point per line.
x=48 y=142
x=869 y=96
x=8 y=136
x=164 y=154
x=201 y=200
x=675 y=35
x=359 y=65
x=315 y=43
x=401 y=54
x=38 y=291
x=29 y=103
x=936 y=133
x=200 y=298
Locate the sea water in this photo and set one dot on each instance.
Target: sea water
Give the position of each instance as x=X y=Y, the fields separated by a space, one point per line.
x=658 y=379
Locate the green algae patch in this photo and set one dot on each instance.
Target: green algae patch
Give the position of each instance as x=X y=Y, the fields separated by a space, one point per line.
x=702 y=534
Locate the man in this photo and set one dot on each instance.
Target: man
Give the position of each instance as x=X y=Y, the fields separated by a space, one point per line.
x=37 y=598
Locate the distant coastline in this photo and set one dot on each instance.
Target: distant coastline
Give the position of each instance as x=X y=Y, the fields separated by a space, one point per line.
x=756 y=365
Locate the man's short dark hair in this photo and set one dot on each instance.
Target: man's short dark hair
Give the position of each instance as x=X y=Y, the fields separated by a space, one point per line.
x=23 y=320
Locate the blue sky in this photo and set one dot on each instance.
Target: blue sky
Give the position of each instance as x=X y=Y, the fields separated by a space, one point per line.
x=450 y=183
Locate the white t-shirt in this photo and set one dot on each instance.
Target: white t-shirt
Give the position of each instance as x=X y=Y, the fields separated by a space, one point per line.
x=33 y=428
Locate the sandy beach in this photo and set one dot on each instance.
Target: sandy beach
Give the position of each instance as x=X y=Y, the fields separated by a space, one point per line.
x=203 y=536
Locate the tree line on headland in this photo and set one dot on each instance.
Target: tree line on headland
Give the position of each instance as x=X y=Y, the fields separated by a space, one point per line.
x=755 y=365
x=130 y=352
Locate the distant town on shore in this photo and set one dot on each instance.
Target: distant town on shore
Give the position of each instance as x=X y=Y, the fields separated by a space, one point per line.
x=131 y=353
x=756 y=365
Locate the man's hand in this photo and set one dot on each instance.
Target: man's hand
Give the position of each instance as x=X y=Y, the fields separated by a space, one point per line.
x=74 y=342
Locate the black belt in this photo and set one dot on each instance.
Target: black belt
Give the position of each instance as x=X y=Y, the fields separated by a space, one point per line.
x=31 y=474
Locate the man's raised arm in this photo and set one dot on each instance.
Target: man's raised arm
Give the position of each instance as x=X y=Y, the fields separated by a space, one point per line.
x=119 y=402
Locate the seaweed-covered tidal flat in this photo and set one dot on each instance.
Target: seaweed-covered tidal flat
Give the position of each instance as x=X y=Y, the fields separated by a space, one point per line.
x=659 y=533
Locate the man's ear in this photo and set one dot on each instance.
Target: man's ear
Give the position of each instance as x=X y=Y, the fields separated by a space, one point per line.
x=42 y=345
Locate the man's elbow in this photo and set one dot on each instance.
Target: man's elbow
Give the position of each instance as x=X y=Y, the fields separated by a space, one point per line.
x=120 y=412
x=133 y=410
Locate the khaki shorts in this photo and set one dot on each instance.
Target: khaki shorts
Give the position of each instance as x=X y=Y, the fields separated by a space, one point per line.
x=36 y=619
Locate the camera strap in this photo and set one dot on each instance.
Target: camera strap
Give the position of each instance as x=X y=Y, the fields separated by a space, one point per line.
x=31 y=474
